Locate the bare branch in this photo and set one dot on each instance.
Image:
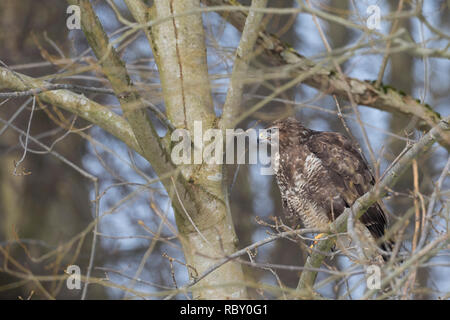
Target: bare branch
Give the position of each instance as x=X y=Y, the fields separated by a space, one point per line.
x=244 y=54
x=77 y=104
x=327 y=80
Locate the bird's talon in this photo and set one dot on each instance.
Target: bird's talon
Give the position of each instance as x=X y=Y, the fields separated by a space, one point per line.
x=316 y=239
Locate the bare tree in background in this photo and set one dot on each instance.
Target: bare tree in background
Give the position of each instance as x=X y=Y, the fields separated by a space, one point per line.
x=87 y=177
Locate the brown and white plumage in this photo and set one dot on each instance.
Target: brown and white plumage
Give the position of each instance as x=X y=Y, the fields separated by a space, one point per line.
x=320 y=174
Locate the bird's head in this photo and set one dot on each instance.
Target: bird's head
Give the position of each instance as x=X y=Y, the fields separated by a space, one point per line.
x=287 y=130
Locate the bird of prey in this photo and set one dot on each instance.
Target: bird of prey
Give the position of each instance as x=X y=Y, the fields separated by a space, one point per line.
x=319 y=174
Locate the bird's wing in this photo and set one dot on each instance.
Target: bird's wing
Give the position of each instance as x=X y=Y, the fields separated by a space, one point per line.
x=349 y=174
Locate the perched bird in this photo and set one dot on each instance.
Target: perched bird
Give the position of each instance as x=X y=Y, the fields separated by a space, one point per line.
x=319 y=174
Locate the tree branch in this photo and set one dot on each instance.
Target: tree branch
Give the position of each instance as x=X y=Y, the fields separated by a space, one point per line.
x=150 y=145
x=56 y=86
x=329 y=81
x=243 y=55
x=72 y=102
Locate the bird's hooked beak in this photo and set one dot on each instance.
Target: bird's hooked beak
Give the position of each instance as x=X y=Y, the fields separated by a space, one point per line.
x=268 y=135
x=264 y=136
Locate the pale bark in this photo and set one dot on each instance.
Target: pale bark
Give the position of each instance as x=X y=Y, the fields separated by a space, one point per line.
x=244 y=53
x=179 y=49
x=72 y=102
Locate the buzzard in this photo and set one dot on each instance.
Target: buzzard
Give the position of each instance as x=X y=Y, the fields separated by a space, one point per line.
x=319 y=174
